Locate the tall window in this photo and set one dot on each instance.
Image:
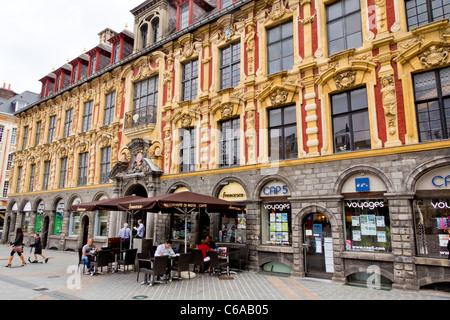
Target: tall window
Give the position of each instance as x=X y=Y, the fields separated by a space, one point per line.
x=420 y=12
x=25 y=137
x=144 y=36
x=229 y=143
x=83 y=168
x=38 y=133
x=350 y=116
x=87 y=116
x=230 y=62
x=344 y=25
x=145 y=101
x=19 y=179
x=32 y=174
x=68 y=122
x=280 y=48
x=155 y=29
x=46 y=175
x=62 y=173
x=9 y=162
x=74 y=73
x=432 y=99
x=105 y=165
x=184 y=16
x=51 y=128
x=5 y=189
x=2 y=128
x=116 y=51
x=189 y=80
x=93 y=63
x=187 y=150
x=283 y=133
x=13 y=136
x=109 y=108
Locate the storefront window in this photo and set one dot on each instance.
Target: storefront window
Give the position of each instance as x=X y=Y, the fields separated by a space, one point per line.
x=74 y=223
x=59 y=217
x=432 y=218
x=367 y=225
x=101 y=222
x=276 y=223
x=26 y=222
x=233 y=228
x=178 y=228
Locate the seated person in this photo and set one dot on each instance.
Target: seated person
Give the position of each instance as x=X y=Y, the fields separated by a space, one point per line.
x=164 y=249
x=87 y=248
x=204 y=247
x=210 y=243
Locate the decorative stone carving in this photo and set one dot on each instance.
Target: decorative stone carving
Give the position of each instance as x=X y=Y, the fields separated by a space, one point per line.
x=226 y=111
x=345 y=80
x=278 y=97
x=434 y=56
x=250 y=41
x=389 y=99
x=186 y=121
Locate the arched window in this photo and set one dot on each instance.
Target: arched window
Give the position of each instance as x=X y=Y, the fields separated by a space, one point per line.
x=155 y=29
x=144 y=36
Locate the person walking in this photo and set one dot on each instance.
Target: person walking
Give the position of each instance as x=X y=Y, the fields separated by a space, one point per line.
x=37 y=248
x=17 y=247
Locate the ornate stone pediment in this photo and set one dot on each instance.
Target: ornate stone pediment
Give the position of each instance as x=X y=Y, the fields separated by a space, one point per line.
x=345 y=80
x=434 y=56
x=278 y=95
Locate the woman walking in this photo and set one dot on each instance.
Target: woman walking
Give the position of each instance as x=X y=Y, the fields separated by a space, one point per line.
x=17 y=247
x=37 y=248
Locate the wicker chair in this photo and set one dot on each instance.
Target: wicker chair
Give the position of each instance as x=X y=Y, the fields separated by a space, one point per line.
x=159 y=269
x=198 y=260
x=183 y=264
x=216 y=264
x=103 y=260
x=130 y=259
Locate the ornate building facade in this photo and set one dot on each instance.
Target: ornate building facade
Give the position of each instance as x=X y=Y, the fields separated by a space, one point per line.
x=329 y=119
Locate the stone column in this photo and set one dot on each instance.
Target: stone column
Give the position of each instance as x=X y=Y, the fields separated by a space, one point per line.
x=402 y=241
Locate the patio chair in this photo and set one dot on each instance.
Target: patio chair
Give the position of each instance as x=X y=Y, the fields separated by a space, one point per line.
x=197 y=255
x=216 y=264
x=159 y=269
x=183 y=265
x=243 y=257
x=130 y=259
x=103 y=260
x=143 y=264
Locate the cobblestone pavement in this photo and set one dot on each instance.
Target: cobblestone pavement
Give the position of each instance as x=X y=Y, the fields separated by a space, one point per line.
x=57 y=281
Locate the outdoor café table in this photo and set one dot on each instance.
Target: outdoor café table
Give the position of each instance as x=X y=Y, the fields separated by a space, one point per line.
x=116 y=255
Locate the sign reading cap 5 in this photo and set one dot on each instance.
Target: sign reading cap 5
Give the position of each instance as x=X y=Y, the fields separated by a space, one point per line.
x=275 y=188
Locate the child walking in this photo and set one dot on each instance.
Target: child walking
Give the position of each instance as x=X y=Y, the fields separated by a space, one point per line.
x=37 y=248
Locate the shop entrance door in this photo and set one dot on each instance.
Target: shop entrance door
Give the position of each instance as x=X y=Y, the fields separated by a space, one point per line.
x=316 y=236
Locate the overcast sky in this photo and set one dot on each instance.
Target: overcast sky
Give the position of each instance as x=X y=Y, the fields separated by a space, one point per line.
x=39 y=35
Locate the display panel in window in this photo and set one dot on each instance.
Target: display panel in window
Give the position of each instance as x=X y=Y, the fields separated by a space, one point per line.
x=179 y=232
x=233 y=228
x=432 y=223
x=276 y=224
x=367 y=225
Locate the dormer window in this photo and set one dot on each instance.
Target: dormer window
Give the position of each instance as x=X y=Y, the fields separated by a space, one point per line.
x=116 y=52
x=184 y=16
x=93 y=64
x=144 y=36
x=225 y=3
x=74 y=73
x=155 y=29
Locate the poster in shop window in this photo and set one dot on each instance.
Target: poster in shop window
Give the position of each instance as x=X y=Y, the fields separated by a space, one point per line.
x=381 y=236
x=355 y=221
x=356 y=235
x=368 y=226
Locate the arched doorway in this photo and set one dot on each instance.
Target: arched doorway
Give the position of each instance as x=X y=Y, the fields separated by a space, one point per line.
x=132 y=220
x=44 y=231
x=85 y=229
x=316 y=245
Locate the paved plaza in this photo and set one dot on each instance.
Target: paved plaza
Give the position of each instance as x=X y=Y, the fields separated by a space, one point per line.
x=57 y=280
